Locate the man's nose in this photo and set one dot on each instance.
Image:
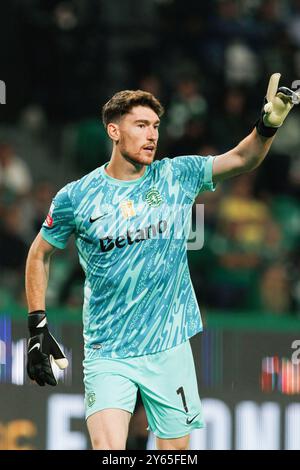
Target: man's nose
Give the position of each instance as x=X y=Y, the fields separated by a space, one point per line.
x=151 y=134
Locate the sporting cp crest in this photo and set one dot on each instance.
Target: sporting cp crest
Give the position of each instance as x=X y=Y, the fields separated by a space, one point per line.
x=153 y=198
x=91 y=398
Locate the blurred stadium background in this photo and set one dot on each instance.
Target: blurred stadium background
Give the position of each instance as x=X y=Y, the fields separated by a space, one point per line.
x=209 y=63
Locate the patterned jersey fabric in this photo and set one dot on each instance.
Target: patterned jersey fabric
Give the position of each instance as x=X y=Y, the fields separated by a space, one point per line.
x=131 y=238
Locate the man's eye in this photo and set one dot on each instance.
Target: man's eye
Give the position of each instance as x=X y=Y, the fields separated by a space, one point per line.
x=141 y=125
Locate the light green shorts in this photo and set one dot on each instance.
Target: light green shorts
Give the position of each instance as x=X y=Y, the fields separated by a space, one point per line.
x=167 y=383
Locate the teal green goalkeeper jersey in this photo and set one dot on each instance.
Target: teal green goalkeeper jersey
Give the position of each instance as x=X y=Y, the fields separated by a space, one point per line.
x=131 y=238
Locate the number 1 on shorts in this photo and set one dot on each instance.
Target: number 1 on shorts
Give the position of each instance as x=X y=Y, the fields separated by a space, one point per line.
x=181 y=392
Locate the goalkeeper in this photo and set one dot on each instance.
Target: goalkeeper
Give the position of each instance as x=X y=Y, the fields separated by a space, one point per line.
x=140 y=308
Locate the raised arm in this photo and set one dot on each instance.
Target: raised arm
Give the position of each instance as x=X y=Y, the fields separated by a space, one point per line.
x=251 y=151
x=246 y=156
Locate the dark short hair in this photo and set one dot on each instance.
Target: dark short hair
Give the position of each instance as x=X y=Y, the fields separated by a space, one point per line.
x=123 y=102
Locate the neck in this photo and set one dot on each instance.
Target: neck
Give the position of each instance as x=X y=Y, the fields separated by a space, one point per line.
x=122 y=168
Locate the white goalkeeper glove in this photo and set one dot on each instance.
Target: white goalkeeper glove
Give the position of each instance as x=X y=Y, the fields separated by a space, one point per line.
x=278 y=103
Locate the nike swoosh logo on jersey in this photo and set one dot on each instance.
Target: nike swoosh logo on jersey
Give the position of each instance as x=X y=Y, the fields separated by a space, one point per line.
x=36 y=345
x=189 y=421
x=97 y=218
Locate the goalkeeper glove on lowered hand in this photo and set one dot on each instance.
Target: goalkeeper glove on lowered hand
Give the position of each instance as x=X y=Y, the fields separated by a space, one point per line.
x=43 y=351
x=278 y=103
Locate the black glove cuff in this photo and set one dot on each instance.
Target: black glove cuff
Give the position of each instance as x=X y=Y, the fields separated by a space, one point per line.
x=34 y=320
x=263 y=130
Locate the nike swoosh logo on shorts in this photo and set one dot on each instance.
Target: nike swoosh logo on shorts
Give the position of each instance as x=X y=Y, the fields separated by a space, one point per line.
x=189 y=421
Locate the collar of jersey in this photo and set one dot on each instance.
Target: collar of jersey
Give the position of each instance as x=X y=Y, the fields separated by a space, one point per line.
x=123 y=182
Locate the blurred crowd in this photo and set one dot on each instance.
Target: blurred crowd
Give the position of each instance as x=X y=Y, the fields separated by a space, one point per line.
x=209 y=64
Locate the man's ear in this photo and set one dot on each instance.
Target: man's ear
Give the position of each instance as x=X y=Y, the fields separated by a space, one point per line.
x=113 y=131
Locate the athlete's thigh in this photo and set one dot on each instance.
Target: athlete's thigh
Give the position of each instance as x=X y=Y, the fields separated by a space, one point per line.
x=169 y=391
x=108 y=384
x=179 y=443
x=110 y=397
x=108 y=429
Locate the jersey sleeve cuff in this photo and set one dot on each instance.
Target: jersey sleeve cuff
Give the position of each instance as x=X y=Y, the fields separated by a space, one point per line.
x=45 y=235
x=208 y=184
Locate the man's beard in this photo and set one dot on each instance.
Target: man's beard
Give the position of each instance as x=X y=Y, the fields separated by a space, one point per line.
x=136 y=161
